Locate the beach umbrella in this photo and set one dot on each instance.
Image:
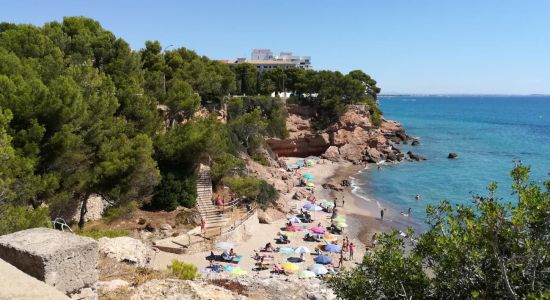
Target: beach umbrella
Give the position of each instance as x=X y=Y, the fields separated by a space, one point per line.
x=300 y=163
x=310 y=184
x=228 y=268
x=330 y=237
x=329 y=203
x=292 y=228
x=309 y=162
x=314 y=207
x=323 y=259
x=287 y=234
x=224 y=245
x=308 y=205
x=309 y=176
x=333 y=248
x=286 y=250
x=294 y=219
x=318 y=269
x=302 y=249
x=339 y=220
x=290 y=267
x=306 y=274
x=237 y=271
x=317 y=230
x=342 y=224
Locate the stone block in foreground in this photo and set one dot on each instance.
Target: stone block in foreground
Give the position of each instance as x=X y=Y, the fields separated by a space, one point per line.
x=15 y=284
x=61 y=259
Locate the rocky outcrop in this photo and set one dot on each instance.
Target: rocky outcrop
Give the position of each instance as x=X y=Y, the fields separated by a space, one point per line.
x=415 y=157
x=95 y=207
x=180 y=289
x=126 y=249
x=352 y=138
x=452 y=155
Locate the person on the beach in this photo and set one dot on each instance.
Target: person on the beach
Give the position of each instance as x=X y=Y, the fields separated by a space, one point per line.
x=341 y=259
x=382 y=214
x=379 y=168
x=351 y=248
x=203 y=226
x=232 y=253
x=334 y=213
x=268 y=247
x=417 y=197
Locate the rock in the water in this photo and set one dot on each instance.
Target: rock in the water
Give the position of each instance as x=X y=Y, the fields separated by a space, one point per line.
x=126 y=249
x=415 y=156
x=373 y=155
x=415 y=142
x=452 y=155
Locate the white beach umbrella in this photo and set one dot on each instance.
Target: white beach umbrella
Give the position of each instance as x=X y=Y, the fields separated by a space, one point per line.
x=302 y=249
x=294 y=219
x=318 y=269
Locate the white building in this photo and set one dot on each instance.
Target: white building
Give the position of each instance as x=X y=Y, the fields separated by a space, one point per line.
x=264 y=59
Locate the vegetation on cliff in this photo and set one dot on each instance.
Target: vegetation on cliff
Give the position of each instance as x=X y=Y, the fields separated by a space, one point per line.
x=493 y=250
x=82 y=113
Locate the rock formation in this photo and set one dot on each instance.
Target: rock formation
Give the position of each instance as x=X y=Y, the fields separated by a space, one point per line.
x=452 y=155
x=352 y=138
x=126 y=249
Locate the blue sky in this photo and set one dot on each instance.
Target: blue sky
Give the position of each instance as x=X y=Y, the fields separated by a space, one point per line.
x=409 y=46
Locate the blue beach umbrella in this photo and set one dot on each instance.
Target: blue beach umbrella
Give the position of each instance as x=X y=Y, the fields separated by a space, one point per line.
x=308 y=206
x=332 y=248
x=323 y=259
x=286 y=250
x=300 y=163
x=309 y=176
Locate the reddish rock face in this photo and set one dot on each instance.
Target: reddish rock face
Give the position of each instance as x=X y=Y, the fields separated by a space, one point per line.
x=352 y=138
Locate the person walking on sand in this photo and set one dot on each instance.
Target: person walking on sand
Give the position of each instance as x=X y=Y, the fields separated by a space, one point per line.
x=382 y=214
x=203 y=226
x=351 y=249
x=341 y=260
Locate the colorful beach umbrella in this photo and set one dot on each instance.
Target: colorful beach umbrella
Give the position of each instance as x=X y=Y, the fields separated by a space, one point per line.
x=315 y=207
x=287 y=234
x=329 y=203
x=290 y=267
x=317 y=230
x=237 y=271
x=318 y=269
x=323 y=259
x=342 y=224
x=310 y=184
x=292 y=228
x=309 y=176
x=294 y=220
x=339 y=220
x=300 y=163
x=225 y=245
x=333 y=248
x=306 y=274
x=330 y=237
x=286 y=250
x=302 y=249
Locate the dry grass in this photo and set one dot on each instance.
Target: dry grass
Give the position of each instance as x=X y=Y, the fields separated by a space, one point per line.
x=231 y=285
x=110 y=269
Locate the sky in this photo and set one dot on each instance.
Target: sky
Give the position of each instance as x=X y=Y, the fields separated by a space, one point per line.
x=408 y=46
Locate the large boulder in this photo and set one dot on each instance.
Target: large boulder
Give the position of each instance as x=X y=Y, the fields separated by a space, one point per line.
x=351 y=152
x=95 y=207
x=415 y=157
x=332 y=153
x=126 y=249
x=373 y=155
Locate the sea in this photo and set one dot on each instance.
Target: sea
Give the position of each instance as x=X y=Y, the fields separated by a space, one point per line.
x=489 y=134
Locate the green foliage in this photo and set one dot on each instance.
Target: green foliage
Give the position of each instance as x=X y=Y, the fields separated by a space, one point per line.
x=116 y=212
x=494 y=250
x=183 y=270
x=174 y=189
x=97 y=233
x=16 y=218
x=257 y=189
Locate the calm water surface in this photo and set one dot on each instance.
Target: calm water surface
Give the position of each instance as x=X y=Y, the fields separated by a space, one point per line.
x=487 y=133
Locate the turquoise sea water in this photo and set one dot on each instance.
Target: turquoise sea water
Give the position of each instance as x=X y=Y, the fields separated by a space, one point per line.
x=487 y=132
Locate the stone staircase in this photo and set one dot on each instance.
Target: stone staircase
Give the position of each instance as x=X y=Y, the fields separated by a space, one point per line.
x=212 y=214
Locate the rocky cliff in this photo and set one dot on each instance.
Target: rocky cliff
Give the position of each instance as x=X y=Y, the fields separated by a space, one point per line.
x=352 y=138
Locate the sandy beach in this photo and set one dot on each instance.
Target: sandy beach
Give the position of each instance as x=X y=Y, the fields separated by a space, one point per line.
x=361 y=218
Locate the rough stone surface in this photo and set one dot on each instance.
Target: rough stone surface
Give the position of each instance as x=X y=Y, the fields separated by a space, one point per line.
x=351 y=152
x=126 y=249
x=264 y=218
x=108 y=286
x=173 y=289
x=96 y=206
x=14 y=284
x=332 y=153
x=61 y=259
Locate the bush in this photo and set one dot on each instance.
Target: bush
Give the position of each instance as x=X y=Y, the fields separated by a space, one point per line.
x=257 y=189
x=182 y=270
x=16 y=218
x=97 y=233
x=116 y=212
x=175 y=189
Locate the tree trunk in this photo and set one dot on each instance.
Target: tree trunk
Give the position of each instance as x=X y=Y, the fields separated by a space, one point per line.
x=83 y=210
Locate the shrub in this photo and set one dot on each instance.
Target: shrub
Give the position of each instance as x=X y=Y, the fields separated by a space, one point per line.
x=175 y=189
x=97 y=233
x=183 y=270
x=16 y=218
x=117 y=212
x=257 y=189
